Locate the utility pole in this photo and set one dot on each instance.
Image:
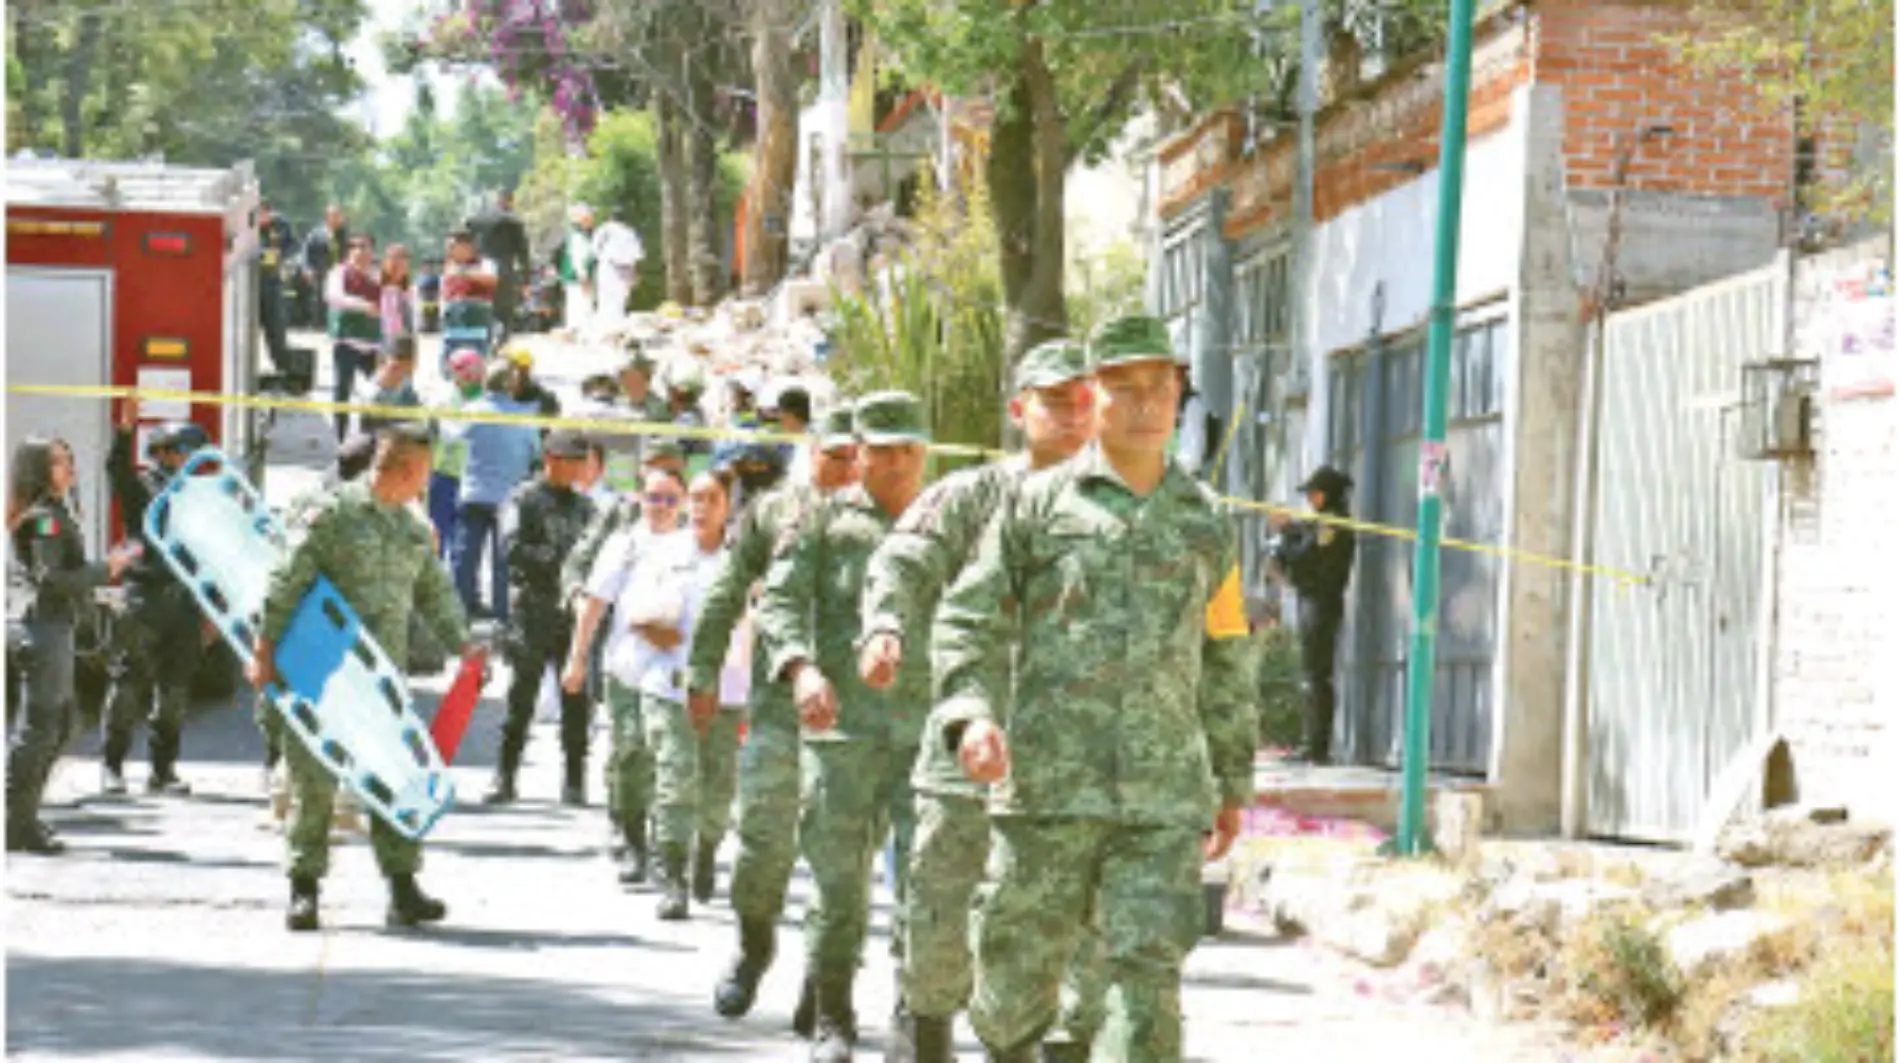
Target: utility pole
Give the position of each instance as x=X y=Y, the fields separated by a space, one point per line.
x=1299 y=354
x=1422 y=663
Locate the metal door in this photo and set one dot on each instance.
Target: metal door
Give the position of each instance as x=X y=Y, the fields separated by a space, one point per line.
x=1673 y=686
x=59 y=331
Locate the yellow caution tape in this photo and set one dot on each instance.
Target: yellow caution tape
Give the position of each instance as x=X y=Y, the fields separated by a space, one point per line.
x=620 y=427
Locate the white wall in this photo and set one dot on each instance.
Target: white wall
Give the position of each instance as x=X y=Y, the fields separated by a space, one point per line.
x=1390 y=239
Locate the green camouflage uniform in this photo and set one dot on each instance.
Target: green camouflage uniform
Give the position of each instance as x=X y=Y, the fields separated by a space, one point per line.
x=768 y=762
x=858 y=772
x=1130 y=722
x=930 y=545
x=382 y=561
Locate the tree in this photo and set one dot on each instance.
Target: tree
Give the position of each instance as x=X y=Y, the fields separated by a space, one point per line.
x=775 y=154
x=257 y=79
x=1064 y=78
x=1831 y=62
x=587 y=58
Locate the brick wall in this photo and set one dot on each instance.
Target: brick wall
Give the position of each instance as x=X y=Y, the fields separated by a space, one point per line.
x=1617 y=72
x=1834 y=621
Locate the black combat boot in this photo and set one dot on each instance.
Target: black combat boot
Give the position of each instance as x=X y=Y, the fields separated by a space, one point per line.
x=805 y=1015
x=1065 y=1051
x=836 y=1032
x=705 y=871
x=409 y=906
x=303 y=904
x=501 y=789
x=633 y=851
x=29 y=835
x=934 y=1040
x=574 y=789
x=758 y=941
x=673 y=900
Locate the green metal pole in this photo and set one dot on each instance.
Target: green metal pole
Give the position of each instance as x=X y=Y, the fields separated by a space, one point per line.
x=1412 y=840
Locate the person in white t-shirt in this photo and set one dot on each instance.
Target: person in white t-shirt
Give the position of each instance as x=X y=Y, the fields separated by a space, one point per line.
x=619 y=252
x=630 y=764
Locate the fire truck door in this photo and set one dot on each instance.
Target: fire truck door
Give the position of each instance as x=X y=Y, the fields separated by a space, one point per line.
x=59 y=324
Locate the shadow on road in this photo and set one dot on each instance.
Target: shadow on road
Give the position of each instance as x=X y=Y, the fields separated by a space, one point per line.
x=153 y=1008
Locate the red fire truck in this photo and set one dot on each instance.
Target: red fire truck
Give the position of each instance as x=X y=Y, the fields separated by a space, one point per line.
x=128 y=274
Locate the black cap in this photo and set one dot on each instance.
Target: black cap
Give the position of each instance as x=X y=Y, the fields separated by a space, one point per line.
x=566 y=443
x=795 y=401
x=1328 y=479
x=354 y=456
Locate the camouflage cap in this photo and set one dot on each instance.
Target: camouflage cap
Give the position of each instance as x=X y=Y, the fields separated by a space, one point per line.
x=663 y=448
x=839 y=428
x=1052 y=363
x=1127 y=340
x=635 y=356
x=884 y=418
x=565 y=443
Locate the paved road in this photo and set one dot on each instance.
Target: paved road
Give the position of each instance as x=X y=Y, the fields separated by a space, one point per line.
x=159 y=935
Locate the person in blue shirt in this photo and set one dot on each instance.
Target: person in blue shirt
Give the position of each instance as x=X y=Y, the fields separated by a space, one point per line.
x=500 y=457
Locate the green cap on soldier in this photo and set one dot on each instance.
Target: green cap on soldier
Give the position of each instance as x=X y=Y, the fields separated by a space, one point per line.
x=661 y=448
x=886 y=418
x=635 y=356
x=1051 y=363
x=838 y=429
x=1128 y=340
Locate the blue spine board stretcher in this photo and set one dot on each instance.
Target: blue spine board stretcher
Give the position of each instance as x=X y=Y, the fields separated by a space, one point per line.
x=339 y=693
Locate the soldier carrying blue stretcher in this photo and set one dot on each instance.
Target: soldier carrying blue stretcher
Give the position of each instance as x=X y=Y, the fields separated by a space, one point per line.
x=379 y=556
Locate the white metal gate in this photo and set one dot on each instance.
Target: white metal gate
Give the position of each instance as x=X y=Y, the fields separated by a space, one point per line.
x=1673 y=685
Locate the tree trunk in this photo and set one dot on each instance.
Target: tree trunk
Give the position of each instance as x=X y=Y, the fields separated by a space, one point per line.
x=673 y=197
x=705 y=241
x=1027 y=175
x=78 y=76
x=775 y=157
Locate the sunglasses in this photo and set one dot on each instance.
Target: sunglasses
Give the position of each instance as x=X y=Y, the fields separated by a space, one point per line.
x=662 y=500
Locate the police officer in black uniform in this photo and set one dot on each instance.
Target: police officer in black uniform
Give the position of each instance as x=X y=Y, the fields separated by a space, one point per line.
x=159 y=642
x=1317 y=559
x=551 y=514
x=50 y=555
x=273 y=251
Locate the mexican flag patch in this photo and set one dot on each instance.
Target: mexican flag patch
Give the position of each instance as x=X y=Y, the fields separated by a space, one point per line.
x=47 y=526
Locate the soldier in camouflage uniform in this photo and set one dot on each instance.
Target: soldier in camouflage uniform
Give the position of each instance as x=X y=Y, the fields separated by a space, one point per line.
x=640 y=404
x=768 y=762
x=1054 y=407
x=551 y=514
x=628 y=772
x=1120 y=727
x=859 y=743
x=379 y=555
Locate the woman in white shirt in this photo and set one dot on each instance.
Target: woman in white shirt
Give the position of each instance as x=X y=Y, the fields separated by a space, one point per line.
x=630 y=763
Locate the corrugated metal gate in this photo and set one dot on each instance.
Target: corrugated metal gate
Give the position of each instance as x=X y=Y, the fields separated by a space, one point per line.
x=1377 y=395
x=1673 y=688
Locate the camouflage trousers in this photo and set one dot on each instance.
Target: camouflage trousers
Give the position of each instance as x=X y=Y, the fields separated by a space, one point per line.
x=856 y=793
x=313 y=798
x=695 y=775
x=946 y=866
x=1045 y=878
x=629 y=760
x=768 y=821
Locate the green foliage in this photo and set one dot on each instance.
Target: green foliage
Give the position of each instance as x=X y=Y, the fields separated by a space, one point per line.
x=1845 y=1012
x=1833 y=57
x=936 y=328
x=1107 y=286
x=236 y=79
x=620 y=170
x=1280 y=699
x=1624 y=969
